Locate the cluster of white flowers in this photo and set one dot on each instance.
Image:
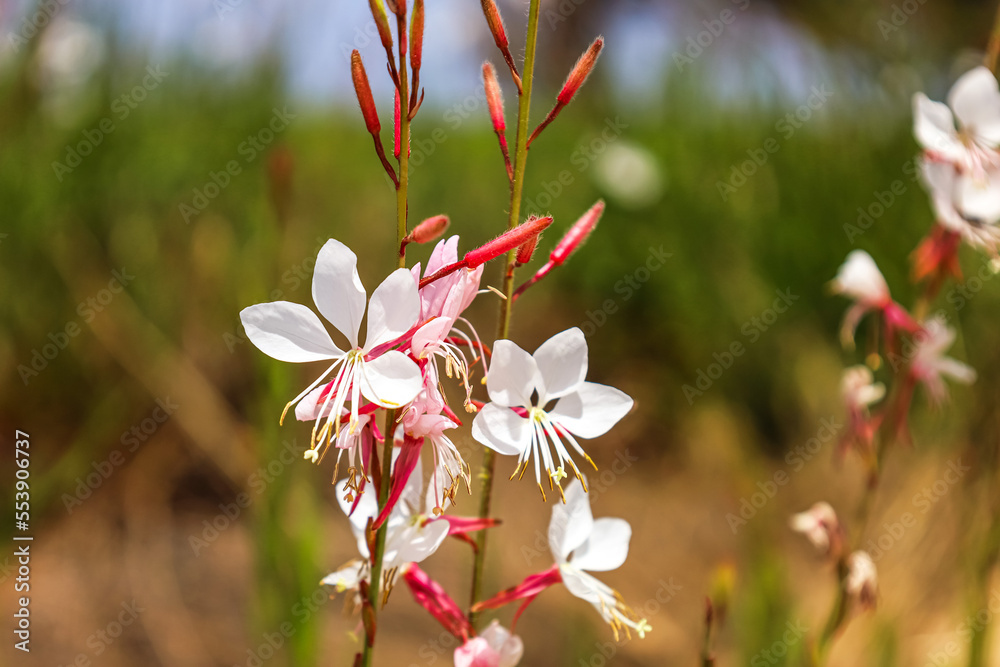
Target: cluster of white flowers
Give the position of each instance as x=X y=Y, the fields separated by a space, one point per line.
x=540 y=405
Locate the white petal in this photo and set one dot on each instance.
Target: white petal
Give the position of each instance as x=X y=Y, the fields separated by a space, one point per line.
x=509 y=647
x=513 y=375
x=288 y=332
x=584 y=586
x=430 y=335
x=979 y=198
x=393 y=309
x=571 y=522
x=337 y=289
x=860 y=279
x=592 y=410
x=346 y=578
x=976 y=100
x=501 y=429
x=934 y=127
x=391 y=379
x=606 y=548
x=962 y=373
x=421 y=542
x=562 y=364
x=307 y=409
x=367 y=508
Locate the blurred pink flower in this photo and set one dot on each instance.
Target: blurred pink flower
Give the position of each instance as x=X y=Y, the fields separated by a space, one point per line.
x=494 y=647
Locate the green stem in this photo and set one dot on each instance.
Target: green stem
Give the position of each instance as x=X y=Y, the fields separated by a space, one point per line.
x=506 y=306
x=374 y=589
x=836 y=618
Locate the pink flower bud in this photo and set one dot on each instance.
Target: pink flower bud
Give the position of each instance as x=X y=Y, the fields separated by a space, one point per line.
x=506 y=242
x=494 y=98
x=527 y=249
x=364 y=93
x=430 y=229
x=577 y=234
x=580 y=71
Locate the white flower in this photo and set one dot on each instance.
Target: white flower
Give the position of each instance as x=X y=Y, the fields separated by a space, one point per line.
x=929 y=363
x=521 y=386
x=975 y=101
x=966 y=204
x=820 y=526
x=291 y=332
x=861 y=583
x=579 y=544
x=858 y=388
x=859 y=278
x=494 y=647
x=410 y=537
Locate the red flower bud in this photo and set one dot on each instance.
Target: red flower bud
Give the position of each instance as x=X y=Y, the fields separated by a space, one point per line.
x=527 y=249
x=494 y=98
x=496 y=24
x=430 y=229
x=382 y=22
x=506 y=242
x=417 y=36
x=577 y=234
x=580 y=72
x=364 y=93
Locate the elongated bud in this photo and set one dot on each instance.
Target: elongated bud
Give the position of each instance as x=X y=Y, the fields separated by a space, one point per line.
x=430 y=229
x=577 y=234
x=364 y=92
x=382 y=22
x=506 y=242
x=494 y=98
x=580 y=72
x=417 y=36
x=496 y=24
x=367 y=613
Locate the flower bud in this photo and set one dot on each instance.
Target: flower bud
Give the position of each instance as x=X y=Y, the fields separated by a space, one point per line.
x=494 y=98
x=430 y=229
x=417 y=36
x=577 y=234
x=382 y=22
x=527 y=249
x=861 y=583
x=580 y=72
x=364 y=93
x=506 y=242
x=496 y=24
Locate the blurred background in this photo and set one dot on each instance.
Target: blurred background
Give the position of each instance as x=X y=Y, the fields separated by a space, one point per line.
x=164 y=165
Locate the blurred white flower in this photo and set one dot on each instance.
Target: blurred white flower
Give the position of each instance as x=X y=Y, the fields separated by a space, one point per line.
x=975 y=101
x=966 y=204
x=821 y=527
x=861 y=583
x=630 y=174
x=929 y=363
x=859 y=279
x=858 y=388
